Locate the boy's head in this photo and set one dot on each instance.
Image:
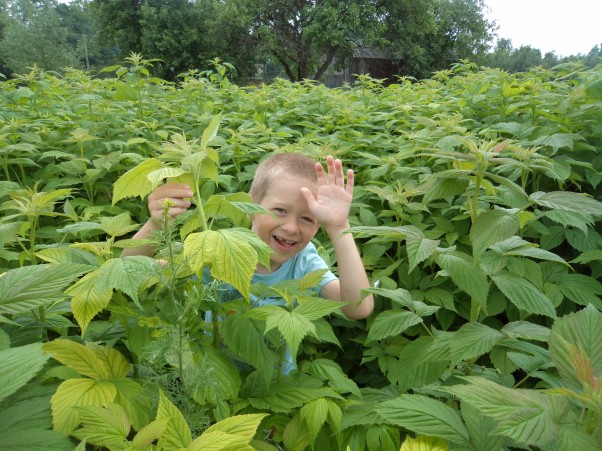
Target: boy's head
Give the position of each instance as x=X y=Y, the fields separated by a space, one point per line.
x=278 y=168
x=277 y=187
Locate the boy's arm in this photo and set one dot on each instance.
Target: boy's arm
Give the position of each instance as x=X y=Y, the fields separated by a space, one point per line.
x=352 y=278
x=331 y=207
x=177 y=194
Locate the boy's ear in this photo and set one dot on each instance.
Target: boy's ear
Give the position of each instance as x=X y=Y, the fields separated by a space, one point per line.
x=316 y=228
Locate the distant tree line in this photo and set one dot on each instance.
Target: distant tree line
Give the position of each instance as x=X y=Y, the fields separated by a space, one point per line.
x=298 y=39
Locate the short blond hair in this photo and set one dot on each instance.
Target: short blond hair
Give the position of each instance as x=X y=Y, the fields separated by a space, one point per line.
x=281 y=165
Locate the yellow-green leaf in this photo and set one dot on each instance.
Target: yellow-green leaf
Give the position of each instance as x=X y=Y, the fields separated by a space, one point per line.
x=135 y=182
x=78 y=357
x=232 y=433
x=118 y=225
x=87 y=301
x=115 y=363
x=218 y=441
x=149 y=433
x=423 y=443
x=157 y=176
x=296 y=435
x=108 y=427
x=177 y=433
x=231 y=254
x=76 y=393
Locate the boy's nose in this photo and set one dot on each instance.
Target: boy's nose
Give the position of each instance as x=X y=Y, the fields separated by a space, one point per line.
x=289 y=225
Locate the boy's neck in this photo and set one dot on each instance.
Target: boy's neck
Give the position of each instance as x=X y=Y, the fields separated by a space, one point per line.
x=263 y=270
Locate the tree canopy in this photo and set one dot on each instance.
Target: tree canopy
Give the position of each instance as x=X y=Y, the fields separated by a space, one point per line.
x=299 y=39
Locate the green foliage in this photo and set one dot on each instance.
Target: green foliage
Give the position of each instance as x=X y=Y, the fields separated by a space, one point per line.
x=476 y=211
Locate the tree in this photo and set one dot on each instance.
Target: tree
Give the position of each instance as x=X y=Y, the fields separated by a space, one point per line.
x=34 y=35
x=461 y=32
x=118 y=24
x=305 y=36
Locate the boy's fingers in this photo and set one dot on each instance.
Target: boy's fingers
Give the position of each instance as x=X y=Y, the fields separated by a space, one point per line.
x=320 y=174
x=350 y=181
x=309 y=197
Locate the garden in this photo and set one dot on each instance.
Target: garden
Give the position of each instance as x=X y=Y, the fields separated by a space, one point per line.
x=476 y=211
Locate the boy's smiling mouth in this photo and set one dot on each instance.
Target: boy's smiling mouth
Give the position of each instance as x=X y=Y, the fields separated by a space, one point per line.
x=284 y=244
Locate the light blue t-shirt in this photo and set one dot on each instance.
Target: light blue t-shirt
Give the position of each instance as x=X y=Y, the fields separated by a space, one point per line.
x=301 y=264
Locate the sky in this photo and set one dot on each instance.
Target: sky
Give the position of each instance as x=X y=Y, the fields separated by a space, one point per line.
x=562 y=26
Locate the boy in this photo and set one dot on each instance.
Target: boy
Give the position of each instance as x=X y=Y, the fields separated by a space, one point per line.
x=301 y=197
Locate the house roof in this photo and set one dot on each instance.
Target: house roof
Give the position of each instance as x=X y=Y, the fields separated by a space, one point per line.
x=368 y=52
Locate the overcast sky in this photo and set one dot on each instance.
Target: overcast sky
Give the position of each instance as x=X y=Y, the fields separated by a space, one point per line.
x=565 y=27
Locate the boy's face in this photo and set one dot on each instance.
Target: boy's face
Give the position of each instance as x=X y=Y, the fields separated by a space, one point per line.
x=293 y=225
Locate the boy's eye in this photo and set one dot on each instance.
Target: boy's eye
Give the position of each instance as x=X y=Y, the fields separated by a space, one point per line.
x=308 y=219
x=279 y=211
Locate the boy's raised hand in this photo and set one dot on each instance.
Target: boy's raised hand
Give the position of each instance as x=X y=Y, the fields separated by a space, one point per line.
x=177 y=194
x=332 y=201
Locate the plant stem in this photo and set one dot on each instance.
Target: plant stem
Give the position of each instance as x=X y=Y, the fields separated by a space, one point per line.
x=199 y=204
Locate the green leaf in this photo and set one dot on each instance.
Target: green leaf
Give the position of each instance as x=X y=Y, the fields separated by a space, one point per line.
x=292 y=325
x=580 y=289
x=315 y=308
x=525 y=416
x=244 y=336
x=330 y=371
x=210 y=132
x=314 y=415
x=25 y=288
x=130 y=396
x=467 y=275
x=529 y=250
x=570 y=219
x=418 y=247
x=216 y=389
x=312 y=279
x=288 y=394
x=413 y=366
x=227 y=206
x=473 y=340
x=442 y=187
x=232 y=255
x=75 y=393
x=588 y=257
x=18 y=366
x=324 y=332
x=135 y=181
x=35 y=440
x=127 y=274
x=576 y=339
x=424 y=415
x=523 y=294
x=481 y=430
x=526 y=330
x=177 y=433
x=568 y=201
x=492 y=227
x=391 y=323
